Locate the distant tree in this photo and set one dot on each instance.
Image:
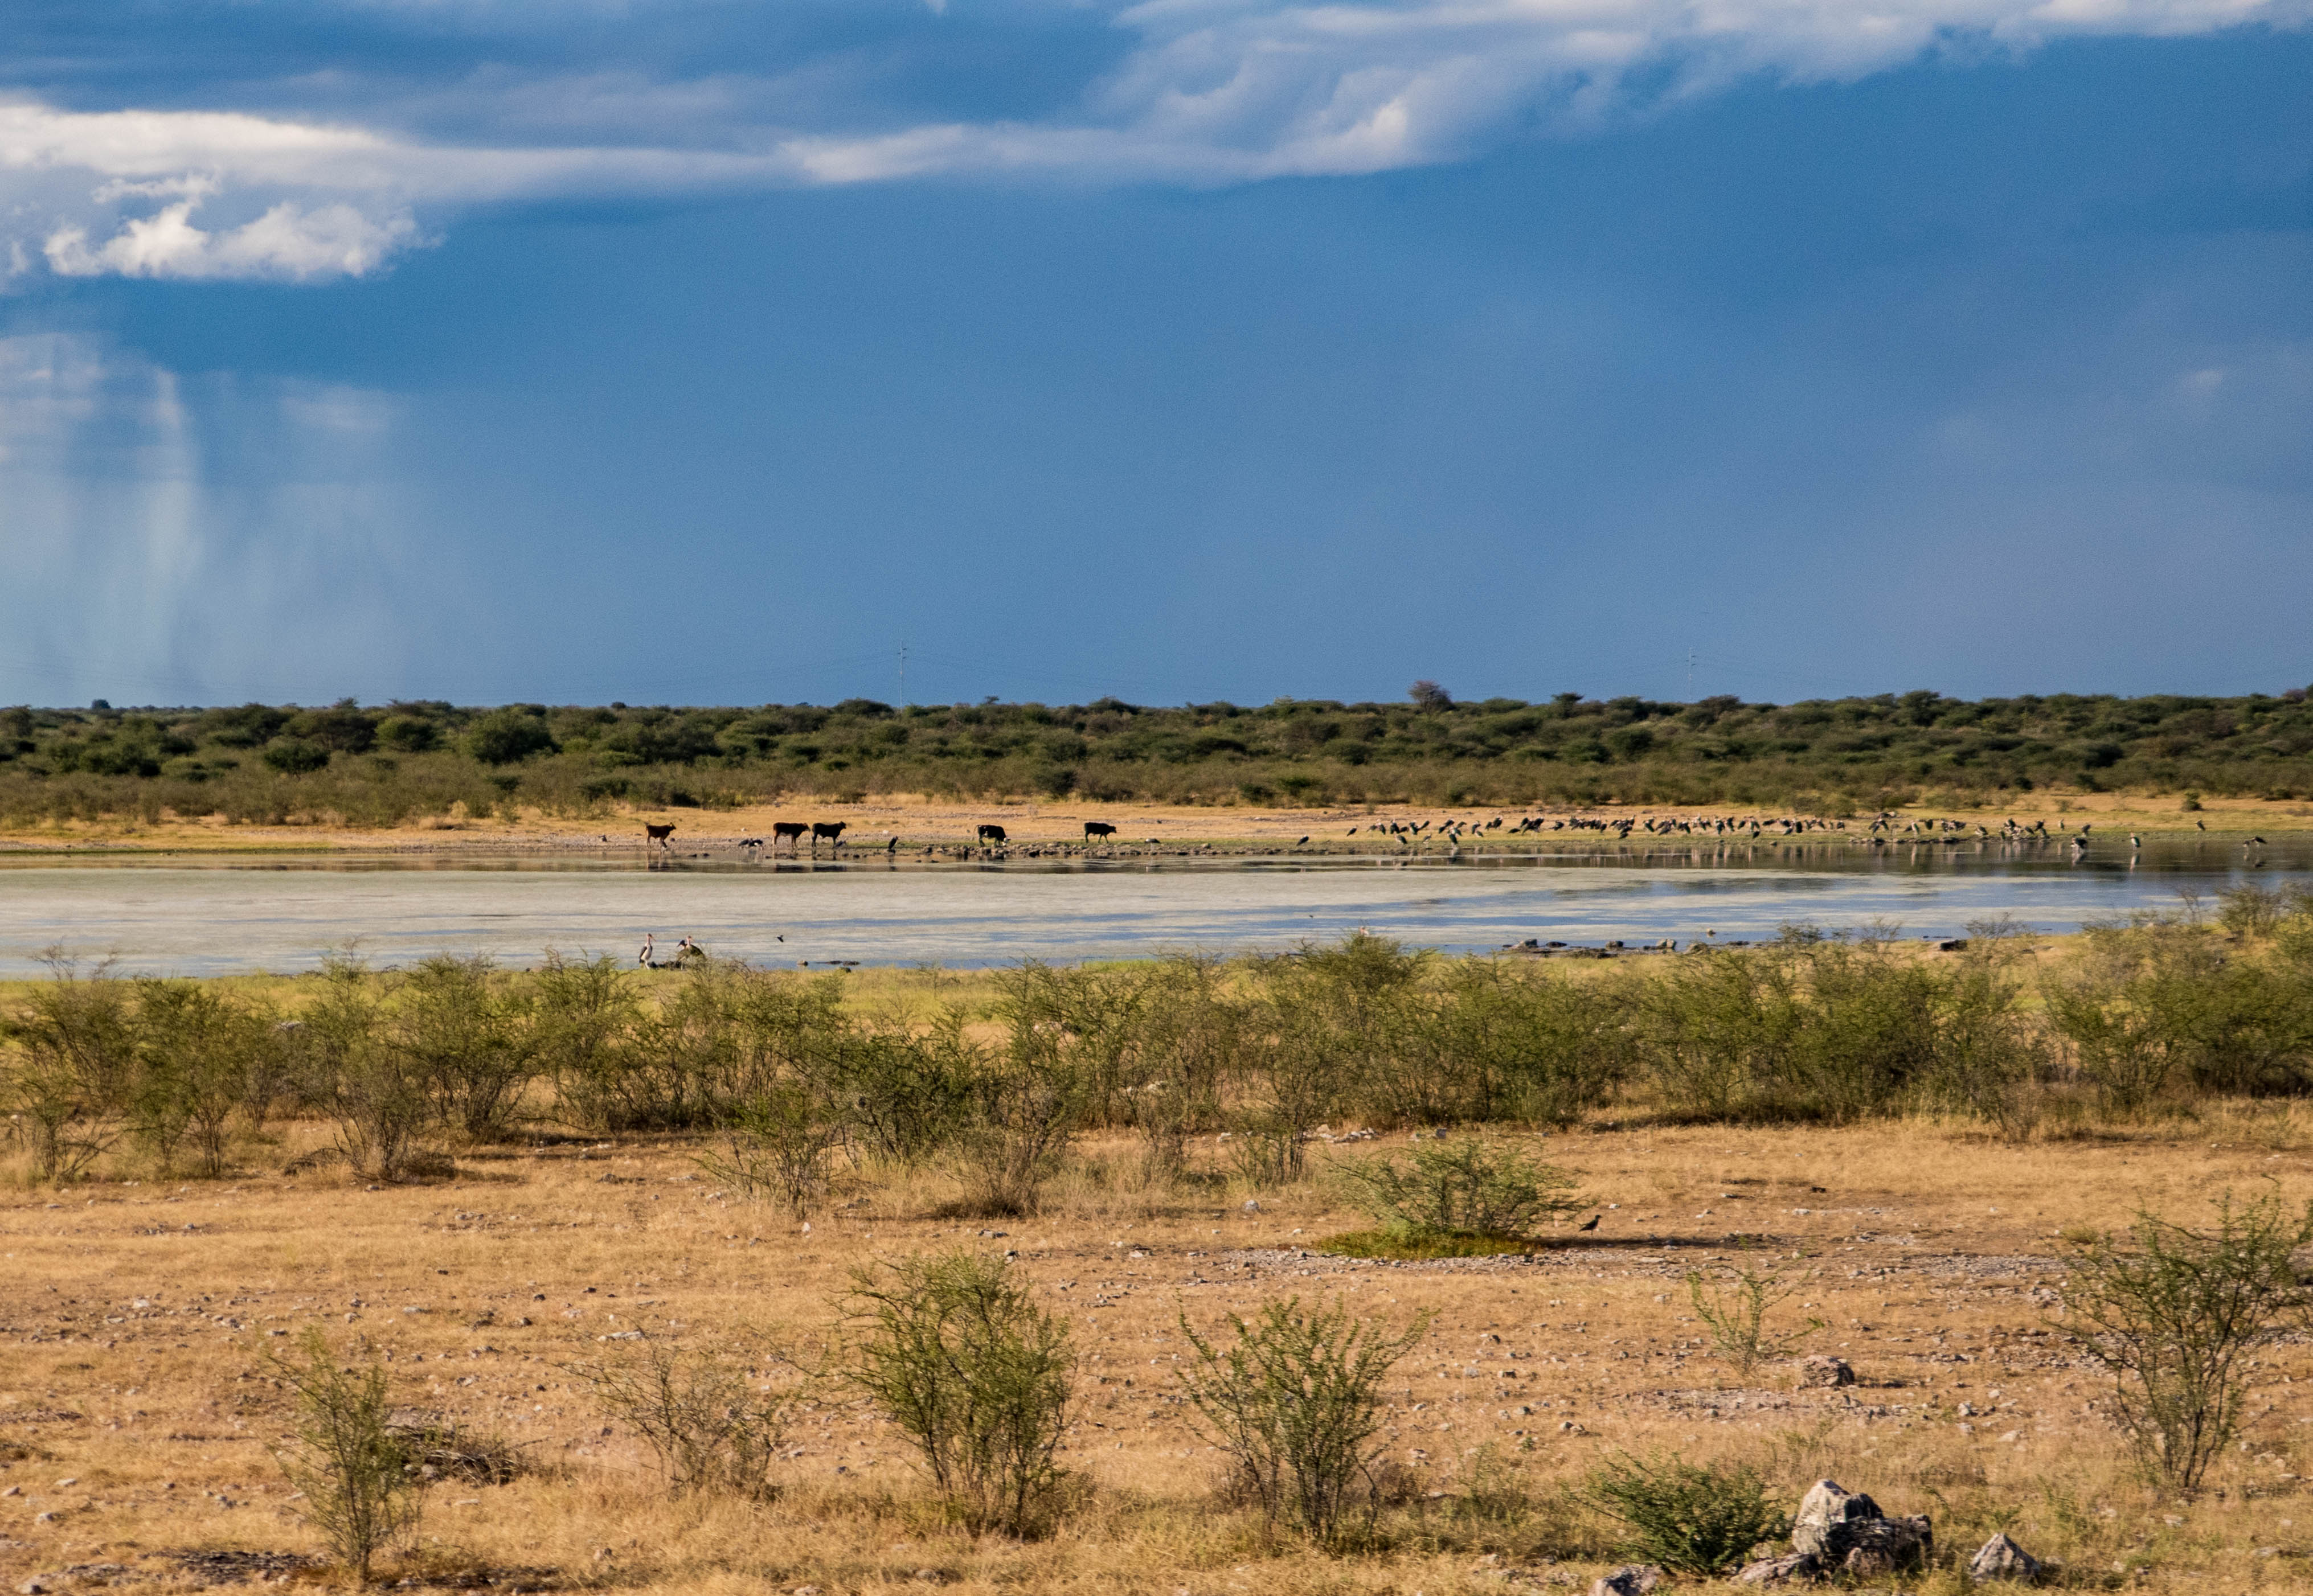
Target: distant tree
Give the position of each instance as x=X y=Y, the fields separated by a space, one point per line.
x=1429 y=694
x=408 y=735
x=508 y=737
x=342 y=726
x=293 y=756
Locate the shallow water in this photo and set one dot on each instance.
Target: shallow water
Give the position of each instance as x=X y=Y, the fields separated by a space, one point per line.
x=215 y=916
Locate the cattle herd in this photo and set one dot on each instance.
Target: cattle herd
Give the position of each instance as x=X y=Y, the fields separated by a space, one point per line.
x=790 y=835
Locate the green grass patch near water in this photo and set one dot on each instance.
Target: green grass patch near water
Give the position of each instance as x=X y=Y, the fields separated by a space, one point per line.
x=1415 y=1246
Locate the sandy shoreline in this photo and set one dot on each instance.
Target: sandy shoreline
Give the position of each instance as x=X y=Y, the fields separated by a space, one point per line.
x=918 y=823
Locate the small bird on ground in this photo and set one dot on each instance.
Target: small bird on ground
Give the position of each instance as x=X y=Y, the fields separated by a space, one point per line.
x=1590 y=1223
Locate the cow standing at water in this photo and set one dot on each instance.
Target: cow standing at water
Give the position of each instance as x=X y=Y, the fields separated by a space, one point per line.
x=991 y=834
x=787 y=831
x=1098 y=828
x=832 y=831
x=659 y=835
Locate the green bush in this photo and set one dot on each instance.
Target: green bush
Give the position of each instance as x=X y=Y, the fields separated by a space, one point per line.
x=359 y=1496
x=1295 y=1401
x=471 y=1039
x=2174 y=1315
x=1022 y=1106
x=956 y=1354
x=204 y=1057
x=1462 y=1187
x=72 y=1066
x=346 y=1066
x=1691 y=1518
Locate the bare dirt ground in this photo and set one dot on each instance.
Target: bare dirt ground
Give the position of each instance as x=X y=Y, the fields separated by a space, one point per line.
x=914 y=821
x=136 y=1407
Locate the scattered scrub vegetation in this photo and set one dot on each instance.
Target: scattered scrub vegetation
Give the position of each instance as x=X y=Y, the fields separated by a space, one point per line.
x=360 y=1494
x=1459 y=1187
x=1295 y=1402
x=2145 y=1018
x=957 y=1355
x=2175 y=1314
x=1691 y=1518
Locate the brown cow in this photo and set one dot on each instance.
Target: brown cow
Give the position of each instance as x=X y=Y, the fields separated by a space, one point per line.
x=787 y=831
x=831 y=829
x=659 y=835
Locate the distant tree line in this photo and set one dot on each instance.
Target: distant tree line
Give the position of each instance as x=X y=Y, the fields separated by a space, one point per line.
x=266 y=763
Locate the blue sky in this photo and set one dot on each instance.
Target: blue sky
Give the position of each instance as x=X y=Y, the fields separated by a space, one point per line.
x=670 y=350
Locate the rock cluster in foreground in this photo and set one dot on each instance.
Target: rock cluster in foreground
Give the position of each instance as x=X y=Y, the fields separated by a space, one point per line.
x=1843 y=1532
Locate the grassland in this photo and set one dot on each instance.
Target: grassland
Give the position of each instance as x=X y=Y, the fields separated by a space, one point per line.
x=139 y=1309
x=347 y=765
x=139 y=1317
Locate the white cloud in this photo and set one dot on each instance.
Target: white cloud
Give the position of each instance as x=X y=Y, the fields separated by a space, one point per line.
x=1209 y=92
x=287 y=243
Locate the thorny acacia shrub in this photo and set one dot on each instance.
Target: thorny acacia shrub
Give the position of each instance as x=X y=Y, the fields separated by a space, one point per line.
x=1295 y=1402
x=2174 y=1313
x=358 y=1494
x=1734 y=1302
x=708 y=1414
x=1691 y=1517
x=956 y=1354
x=1464 y=1186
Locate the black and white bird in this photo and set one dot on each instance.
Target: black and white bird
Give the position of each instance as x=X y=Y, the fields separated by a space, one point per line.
x=1590 y=1223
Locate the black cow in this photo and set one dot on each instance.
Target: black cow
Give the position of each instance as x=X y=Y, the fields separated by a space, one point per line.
x=1098 y=828
x=832 y=830
x=787 y=831
x=991 y=834
x=657 y=834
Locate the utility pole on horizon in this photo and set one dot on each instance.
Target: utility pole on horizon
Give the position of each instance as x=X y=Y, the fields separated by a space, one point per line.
x=903 y=676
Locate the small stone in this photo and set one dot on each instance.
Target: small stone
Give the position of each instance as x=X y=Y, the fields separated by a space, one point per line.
x=1252 y=1205
x=1824 y=1372
x=2001 y=1558
x=1798 y=1568
x=1633 y=1579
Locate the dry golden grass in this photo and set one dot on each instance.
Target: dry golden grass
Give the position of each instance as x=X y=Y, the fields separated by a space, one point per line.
x=135 y=1409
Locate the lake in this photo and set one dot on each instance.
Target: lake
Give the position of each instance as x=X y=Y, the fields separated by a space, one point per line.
x=211 y=915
